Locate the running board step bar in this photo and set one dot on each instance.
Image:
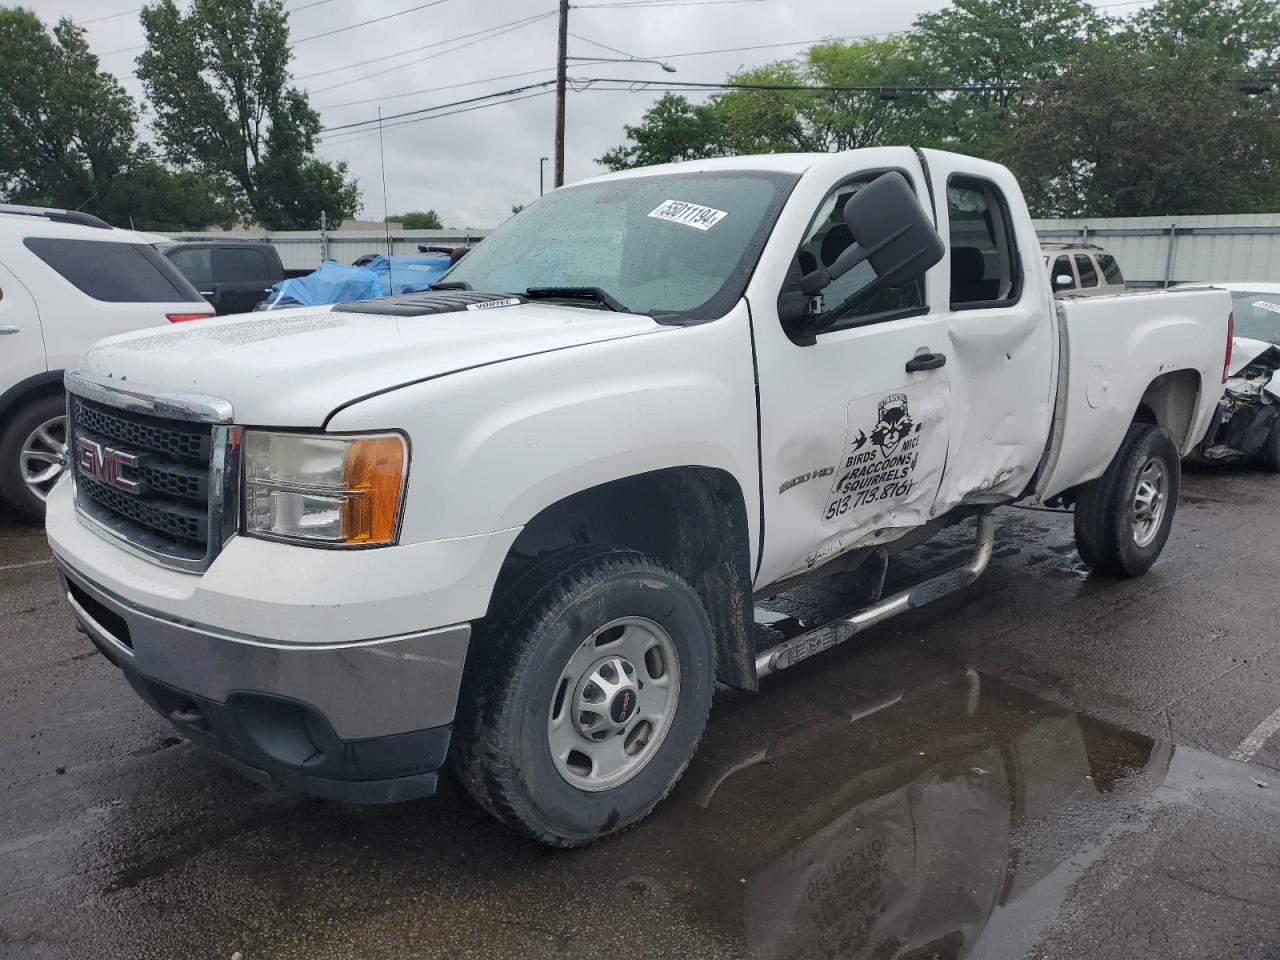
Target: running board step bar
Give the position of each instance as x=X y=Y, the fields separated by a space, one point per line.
x=800 y=648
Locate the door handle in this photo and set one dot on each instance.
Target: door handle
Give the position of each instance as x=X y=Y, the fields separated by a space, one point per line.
x=7 y=328
x=926 y=361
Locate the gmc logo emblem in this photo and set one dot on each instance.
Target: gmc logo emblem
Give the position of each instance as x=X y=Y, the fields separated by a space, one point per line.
x=102 y=463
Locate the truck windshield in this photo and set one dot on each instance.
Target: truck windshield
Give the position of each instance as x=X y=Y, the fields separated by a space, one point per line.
x=671 y=244
x=1257 y=315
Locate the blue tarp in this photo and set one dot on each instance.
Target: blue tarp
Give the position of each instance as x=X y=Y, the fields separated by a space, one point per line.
x=331 y=282
x=334 y=282
x=409 y=272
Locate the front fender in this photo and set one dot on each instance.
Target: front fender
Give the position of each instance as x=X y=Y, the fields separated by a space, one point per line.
x=494 y=446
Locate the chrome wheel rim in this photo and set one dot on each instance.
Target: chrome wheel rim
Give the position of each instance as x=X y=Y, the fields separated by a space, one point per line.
x=613 y=704
x=1150 y=500
x=44 y=457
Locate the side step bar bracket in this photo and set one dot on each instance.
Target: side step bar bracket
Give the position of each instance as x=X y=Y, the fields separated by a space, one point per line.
x=798 y=649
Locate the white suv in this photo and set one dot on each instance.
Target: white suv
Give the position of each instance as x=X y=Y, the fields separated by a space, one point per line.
x=67 y=279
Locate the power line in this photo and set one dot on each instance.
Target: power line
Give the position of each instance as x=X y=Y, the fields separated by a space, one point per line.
x=109 y=16
x=621 y=4
x=597 y=43
x=365 y=23
x=292 y=43
x=414 y=93
x=442 y=106
x=361 y=135
x=640 y=86
x=430 y=56
x=428 y=46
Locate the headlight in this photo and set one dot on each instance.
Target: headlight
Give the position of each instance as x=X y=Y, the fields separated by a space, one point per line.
x=342 y=491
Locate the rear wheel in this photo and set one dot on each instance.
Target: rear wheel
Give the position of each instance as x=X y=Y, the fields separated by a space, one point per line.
x=33 y=454
x=1123 y=518
x=587 y=692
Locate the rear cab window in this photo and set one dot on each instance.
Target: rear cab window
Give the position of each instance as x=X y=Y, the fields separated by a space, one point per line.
x=194 y=263
x=1110 y=270
x=1062 y=268
x=1088 y=273
x=114 y=272
x=241 y=263
x=985 y=268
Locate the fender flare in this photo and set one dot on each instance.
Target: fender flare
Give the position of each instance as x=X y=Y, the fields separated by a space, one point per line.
x=37 y=384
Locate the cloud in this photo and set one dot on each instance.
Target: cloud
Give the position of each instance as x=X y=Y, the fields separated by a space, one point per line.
x=471 y=167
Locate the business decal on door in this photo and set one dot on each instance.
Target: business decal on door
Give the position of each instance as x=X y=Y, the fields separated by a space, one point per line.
x=880 y=460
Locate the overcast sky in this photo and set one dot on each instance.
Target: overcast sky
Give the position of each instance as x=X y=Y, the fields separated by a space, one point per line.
x=472 y=166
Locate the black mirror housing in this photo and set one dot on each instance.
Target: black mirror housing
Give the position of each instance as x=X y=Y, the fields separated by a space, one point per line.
x=891 y=230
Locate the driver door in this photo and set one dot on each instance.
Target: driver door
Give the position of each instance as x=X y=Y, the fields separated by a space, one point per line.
x=854 y=426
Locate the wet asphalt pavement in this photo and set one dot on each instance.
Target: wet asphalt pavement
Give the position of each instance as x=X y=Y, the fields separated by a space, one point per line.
x=1039 y=766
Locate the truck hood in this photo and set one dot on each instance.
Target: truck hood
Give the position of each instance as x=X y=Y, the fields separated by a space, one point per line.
x=295 y=367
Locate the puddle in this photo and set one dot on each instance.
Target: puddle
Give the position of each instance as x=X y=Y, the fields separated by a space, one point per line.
x=948 y=821
x=883 y=805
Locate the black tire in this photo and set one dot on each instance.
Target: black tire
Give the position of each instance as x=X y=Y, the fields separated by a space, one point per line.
x=1104 y=517
x=517 y=656
x=17 y=427
x=1268 y=457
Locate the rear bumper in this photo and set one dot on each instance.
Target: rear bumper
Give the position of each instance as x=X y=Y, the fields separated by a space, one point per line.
x=359 y=722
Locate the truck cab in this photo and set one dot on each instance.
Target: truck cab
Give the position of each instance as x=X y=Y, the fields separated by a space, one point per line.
x=519 y=522
x=234 y=275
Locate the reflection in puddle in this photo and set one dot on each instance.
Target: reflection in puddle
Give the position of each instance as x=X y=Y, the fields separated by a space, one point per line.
x=944 y=822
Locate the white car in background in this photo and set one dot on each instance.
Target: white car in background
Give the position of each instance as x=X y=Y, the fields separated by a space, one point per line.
x=1247 y=424
x=67 y=279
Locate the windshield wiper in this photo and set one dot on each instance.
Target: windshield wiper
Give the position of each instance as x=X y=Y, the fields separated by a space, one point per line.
x=450 y=285
x=577 y=293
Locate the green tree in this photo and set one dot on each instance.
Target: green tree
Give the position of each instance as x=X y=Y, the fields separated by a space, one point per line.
x=1005 y=43
x=1129 y=132
x=150 y=196
x=218 y=78
x=672 y=129
x=418 y=220
x=66 y=129
x=825 y=120
x=1243 y=33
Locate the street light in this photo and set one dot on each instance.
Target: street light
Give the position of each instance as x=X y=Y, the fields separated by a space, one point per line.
x=665 y=66
x=541 y=166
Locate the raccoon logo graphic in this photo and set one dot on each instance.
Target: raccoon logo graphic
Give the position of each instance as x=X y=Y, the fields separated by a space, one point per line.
x=895 y=423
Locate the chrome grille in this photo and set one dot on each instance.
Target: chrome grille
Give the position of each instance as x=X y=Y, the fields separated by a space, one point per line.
x=155 y=473
x=189 y=442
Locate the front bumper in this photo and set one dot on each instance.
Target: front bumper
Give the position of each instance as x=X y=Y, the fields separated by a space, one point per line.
x=364 y=722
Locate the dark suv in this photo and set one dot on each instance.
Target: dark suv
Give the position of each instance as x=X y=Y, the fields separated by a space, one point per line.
x=233 y=275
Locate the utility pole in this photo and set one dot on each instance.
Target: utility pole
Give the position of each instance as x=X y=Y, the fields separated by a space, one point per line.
x=561 y=71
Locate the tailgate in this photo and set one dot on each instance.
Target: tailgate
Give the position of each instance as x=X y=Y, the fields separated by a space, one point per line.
x=1116 y=349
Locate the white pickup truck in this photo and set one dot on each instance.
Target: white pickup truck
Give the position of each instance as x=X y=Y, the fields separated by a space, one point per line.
x=520 y=521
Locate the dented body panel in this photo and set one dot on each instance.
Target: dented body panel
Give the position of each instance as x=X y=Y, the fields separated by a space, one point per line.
x=738 y=437
x=1115 y=349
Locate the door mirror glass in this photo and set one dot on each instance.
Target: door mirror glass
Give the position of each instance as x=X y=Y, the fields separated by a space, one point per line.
x=891 y=232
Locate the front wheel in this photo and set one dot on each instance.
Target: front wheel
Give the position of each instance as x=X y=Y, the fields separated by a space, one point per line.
x=1123 y=518
x=587 y=692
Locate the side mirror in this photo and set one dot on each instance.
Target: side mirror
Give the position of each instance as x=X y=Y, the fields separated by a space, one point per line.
x=1063 y=281
x=890 y=230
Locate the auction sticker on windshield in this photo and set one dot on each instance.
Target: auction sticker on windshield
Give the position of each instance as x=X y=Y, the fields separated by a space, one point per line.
x=690 y=214
x=1261 y=304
